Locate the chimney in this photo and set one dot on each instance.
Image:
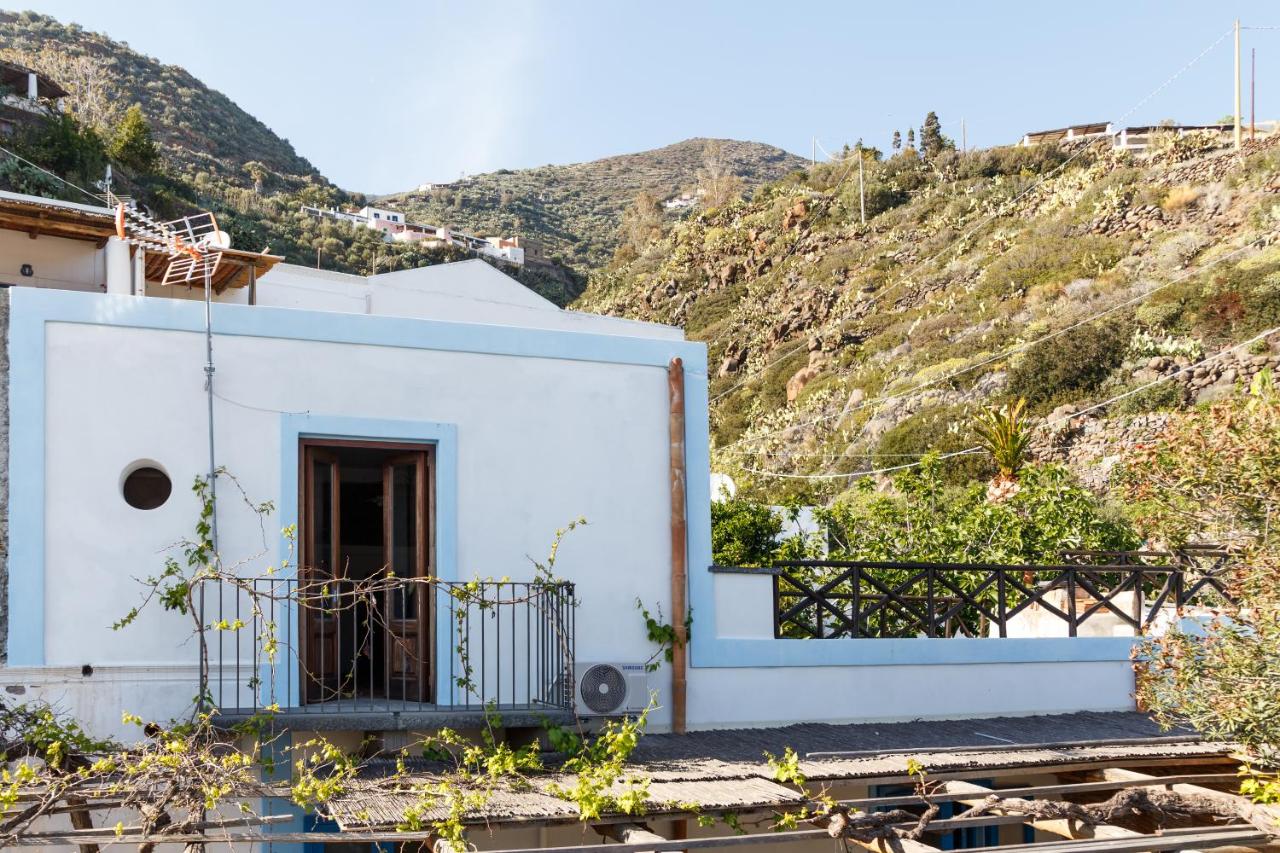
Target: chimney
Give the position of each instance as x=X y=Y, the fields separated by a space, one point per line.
x=33 y=85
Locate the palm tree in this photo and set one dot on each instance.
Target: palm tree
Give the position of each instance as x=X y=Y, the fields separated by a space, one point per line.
x=1004 y=433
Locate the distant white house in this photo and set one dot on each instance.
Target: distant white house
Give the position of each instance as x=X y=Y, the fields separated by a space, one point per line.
x=25 y=96
x=684 y=201
x=395 y=227
x=1134 y=137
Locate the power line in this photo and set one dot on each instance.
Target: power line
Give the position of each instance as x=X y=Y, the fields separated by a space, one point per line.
x=1048 y=422
x=1003 y=353
x=56 y=177
x=990 y=217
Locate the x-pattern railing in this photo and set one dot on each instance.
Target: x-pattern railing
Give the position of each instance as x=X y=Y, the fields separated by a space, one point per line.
x=868 y=599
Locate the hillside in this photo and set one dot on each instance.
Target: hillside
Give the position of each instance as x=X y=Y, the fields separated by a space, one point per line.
x=575 y=210
x=1065 y=276
x=201 y=131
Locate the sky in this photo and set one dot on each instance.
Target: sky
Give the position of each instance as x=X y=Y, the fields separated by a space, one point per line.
x=383 y=96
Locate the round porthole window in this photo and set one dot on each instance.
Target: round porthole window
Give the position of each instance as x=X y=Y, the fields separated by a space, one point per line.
x=146 y=487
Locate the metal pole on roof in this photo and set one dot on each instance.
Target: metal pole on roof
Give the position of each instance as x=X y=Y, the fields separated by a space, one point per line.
x=213 y=475
x=208 y=385
x=862 y=190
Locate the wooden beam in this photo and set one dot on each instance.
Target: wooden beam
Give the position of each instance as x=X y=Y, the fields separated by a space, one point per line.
x=973 y=795
x=1256 y=813
x=815 y=770
x=1040 y=791
x=81 y=820
x=83 y=835
x=633 y=834
x=1170 y=841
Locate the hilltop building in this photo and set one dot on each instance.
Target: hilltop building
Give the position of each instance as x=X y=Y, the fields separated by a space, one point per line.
x=26 y=97
x=1135 y=137
x=684 y=201
x=395 y=228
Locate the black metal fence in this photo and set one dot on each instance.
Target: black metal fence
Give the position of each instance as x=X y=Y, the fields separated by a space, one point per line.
x=340 y=646
x=821 y=599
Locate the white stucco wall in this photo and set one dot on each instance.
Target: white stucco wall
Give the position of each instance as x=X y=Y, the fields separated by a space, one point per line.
x=540 y=442
x=466 y=292
x=728 y=697
x=55 y=262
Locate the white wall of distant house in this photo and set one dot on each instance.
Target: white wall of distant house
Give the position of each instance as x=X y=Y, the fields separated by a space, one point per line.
x=540 y=442
x=54 y=261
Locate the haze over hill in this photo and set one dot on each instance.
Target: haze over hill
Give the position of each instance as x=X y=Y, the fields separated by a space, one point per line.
x=575 y=210
x=218 y=156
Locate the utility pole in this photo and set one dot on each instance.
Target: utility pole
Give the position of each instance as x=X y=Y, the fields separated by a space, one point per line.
x=862 y=192
x=964 y=139
x=1253 y=91
x=814 y=156
x=1237 y=128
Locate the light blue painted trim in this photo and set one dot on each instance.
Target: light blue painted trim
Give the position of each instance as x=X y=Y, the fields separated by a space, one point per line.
x=184 y=315
x=444 y=437
x=26 y=481
x=727 y=652
x=31 y=309
x=708 y=650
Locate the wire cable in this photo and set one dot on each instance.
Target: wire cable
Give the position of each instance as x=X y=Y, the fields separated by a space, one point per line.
x=1014 y=350
x=56 y=177
x=1047 y=422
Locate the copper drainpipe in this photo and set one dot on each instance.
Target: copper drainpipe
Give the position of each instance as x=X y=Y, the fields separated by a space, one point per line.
x=679 y=537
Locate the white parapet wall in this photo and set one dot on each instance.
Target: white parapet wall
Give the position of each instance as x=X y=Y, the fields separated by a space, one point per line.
x=736 y=655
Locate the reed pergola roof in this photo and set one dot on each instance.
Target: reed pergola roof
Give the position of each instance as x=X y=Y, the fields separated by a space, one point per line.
x=1127 y=762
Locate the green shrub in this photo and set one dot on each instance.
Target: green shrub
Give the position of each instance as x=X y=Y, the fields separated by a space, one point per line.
x=743 y=533
x=1161 y=397
x=923 y=519
x=1239 y=301
x=1048 y=259
x=942 y=429
x=1010 y=160
x=1071 y=365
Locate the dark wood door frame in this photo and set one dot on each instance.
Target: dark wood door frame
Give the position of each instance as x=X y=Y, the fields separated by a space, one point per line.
x=423 y=454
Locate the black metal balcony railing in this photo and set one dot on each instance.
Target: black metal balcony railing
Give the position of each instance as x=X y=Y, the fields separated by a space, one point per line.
x=389 y=646
x=822 y=599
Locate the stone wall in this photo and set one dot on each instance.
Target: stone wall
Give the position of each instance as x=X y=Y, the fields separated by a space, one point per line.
x=1091 y=446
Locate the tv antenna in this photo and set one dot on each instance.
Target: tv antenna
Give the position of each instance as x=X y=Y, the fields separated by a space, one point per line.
x=191 y=242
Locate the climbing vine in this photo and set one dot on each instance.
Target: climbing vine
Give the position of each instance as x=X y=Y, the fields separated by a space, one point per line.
x=662 y=634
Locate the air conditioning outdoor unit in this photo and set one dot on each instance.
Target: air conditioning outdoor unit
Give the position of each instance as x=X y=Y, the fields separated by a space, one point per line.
x=604 y=689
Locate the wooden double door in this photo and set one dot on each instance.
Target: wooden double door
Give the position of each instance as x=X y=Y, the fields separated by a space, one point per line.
x=367 y=536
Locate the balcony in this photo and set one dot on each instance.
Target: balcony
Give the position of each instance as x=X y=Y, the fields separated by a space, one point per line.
x=392 y=654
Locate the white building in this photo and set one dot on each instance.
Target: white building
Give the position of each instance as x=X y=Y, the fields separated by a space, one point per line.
x=450 y=399
x=395 y=228
x=441 y=423
x=26 y=97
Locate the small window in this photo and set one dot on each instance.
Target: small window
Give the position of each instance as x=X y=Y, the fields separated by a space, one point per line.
x=146 y=487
